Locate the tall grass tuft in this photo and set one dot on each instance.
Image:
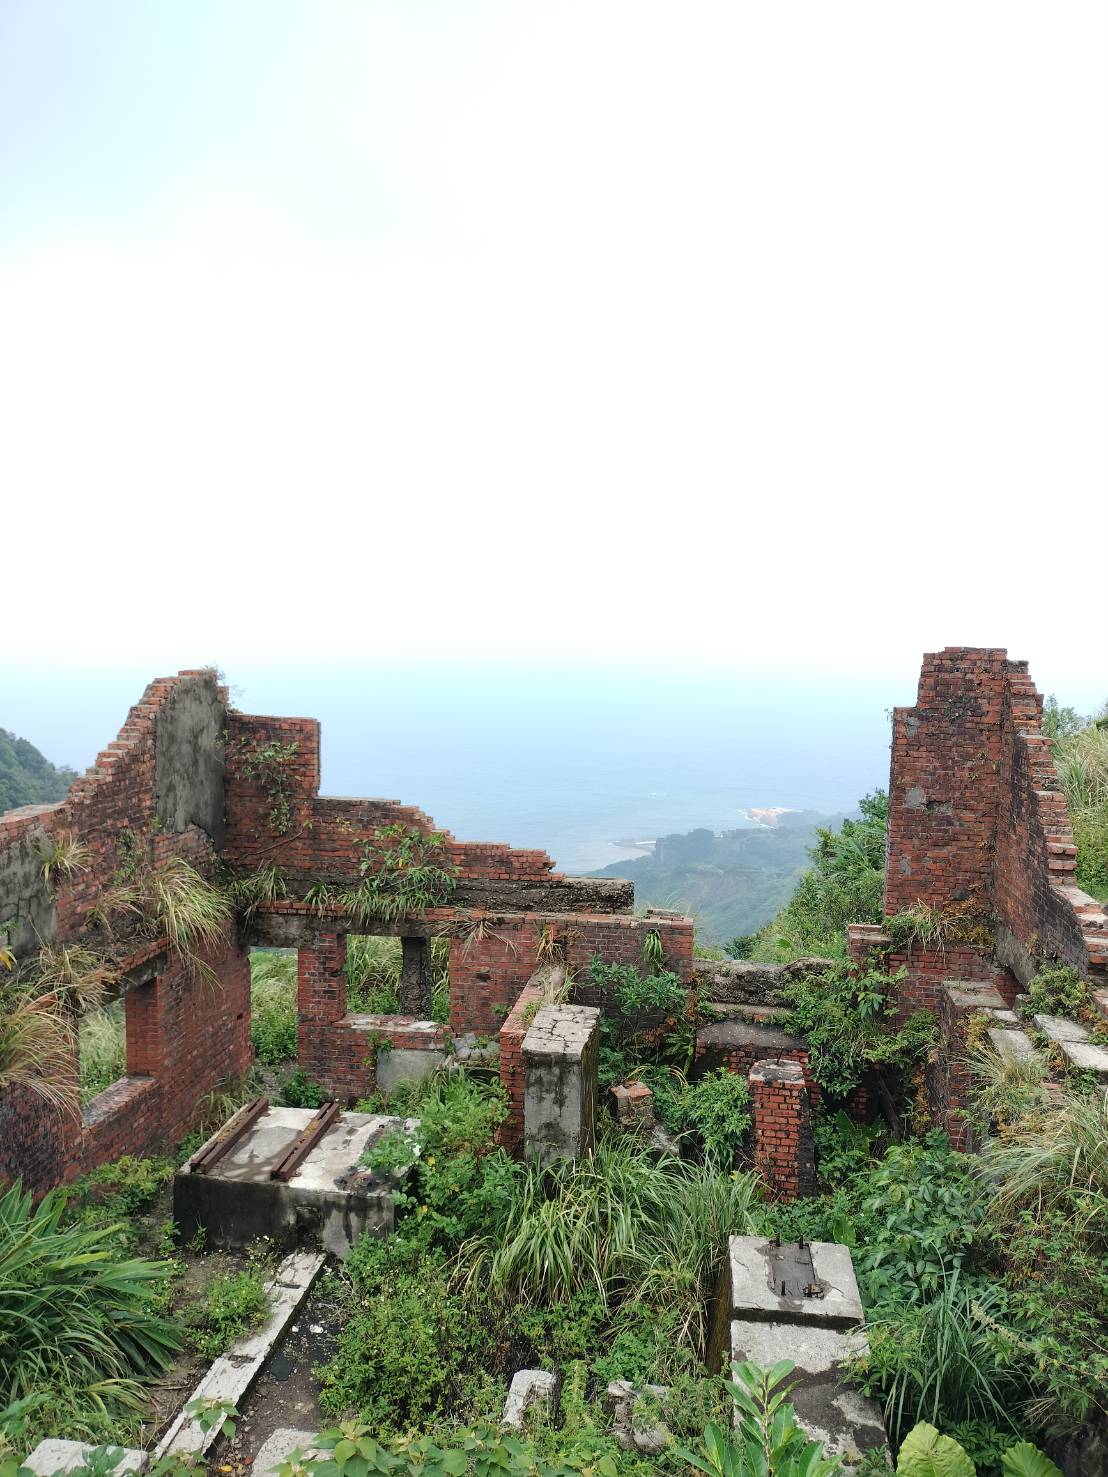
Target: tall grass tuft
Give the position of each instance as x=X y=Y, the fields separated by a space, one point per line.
x=1058 y=1159
x=621 y=1222
x=76 y=1322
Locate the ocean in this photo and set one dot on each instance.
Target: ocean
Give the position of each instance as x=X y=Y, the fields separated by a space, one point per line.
x=574 y=761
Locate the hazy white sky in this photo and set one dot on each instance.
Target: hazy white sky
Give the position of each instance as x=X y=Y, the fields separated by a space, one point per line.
x=755 y=334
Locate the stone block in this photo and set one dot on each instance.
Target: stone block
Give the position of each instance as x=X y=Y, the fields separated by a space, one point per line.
x=529 y=1387
x=54 y=1456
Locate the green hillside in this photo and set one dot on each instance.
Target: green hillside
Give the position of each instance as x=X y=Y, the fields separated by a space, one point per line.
x=733 y=882
x=26 y=777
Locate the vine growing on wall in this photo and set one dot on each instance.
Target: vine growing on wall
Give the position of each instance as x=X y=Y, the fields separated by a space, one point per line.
x=271 y=768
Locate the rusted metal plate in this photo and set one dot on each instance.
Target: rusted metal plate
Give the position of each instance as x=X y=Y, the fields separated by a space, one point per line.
x=791 y=1270
x=304 y=1142
x=228 y=1136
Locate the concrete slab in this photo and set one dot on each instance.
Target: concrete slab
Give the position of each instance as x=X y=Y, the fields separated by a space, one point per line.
x=1087 y=1056
x=1012 y=1046
x=970 y=995
x=407 y=1064
x=1057 y=1028
x=751 y=1293
x=55 y=1456
x=275 y=1451
x=847 y=1423
x=1006 y=1018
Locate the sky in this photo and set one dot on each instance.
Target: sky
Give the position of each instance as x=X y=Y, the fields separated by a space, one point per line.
x=762 y=339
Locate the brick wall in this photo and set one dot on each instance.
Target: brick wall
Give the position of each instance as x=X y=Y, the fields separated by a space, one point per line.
x=976 y=815
x=784 y=1148
x=511 y=1037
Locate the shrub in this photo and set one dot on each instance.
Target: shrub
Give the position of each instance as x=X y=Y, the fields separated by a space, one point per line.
x=77 y=1322
x=846 y=1019
x=299 y=1091
x=102 y=1048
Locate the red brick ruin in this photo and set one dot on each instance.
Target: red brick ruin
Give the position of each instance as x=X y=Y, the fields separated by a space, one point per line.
x=977 y=821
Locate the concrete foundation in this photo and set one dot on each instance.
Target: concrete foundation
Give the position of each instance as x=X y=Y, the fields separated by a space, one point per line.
x=328 y=1199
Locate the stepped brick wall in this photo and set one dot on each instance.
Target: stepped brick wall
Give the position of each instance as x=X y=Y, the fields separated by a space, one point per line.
x=977 y=820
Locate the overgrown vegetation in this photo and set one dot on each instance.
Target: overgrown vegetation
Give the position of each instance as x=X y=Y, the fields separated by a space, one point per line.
x=1081 y=759
x=80 y=1323
x=234 y=1303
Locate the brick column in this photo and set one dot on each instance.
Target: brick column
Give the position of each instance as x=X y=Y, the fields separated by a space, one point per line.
x=145 y=1029
x=320 y=998
x=511 y=1037
x=784 y=1149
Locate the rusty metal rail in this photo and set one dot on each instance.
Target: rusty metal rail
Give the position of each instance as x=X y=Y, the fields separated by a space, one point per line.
x=304 y=1142
x=228 y=1136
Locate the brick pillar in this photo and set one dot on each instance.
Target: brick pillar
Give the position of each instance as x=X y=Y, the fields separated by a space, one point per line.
x=415 y=977
x=784 y=1149
x=321 y=999
x=511 y=1035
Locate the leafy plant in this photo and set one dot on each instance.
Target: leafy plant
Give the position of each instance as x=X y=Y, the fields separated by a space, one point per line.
x=235 y=1302
x=271 y=767
x=299 y=1091
x=77 y=1323
x=769 y=1441
x=403 y=872
x=633 y=991
x=847 y=1019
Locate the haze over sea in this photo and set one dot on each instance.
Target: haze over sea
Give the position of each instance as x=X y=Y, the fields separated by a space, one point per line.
x=574 y=761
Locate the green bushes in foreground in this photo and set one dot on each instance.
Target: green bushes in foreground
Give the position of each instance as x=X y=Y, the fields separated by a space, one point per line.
x=79 y=1323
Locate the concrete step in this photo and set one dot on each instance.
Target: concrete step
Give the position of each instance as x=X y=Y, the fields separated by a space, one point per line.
x=1073 y=1041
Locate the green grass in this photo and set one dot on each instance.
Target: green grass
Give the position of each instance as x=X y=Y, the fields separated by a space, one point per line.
x=273 y=1022
x=102 y=1044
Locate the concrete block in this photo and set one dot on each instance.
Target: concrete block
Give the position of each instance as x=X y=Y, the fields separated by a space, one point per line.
x=750 y=1292
x=847 y=1424
x=406 y=1064
x=632 y=1428
x=1058 y=1028
x=559 y=1081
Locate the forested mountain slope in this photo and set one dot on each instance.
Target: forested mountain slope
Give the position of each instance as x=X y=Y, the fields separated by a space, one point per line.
x=26 y=776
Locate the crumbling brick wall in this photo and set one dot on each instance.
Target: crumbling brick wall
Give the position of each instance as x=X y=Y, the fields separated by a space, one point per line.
x=784 y=1146
x=159 y=782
